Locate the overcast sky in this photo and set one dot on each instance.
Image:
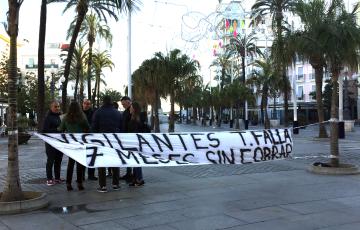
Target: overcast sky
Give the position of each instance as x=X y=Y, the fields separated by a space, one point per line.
x=156 y=27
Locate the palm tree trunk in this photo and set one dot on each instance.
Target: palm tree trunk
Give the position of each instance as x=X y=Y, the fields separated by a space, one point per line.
x=79 y=19
x=320 y=108
x=81 y=89
x=76 y=83
x=12 y=189
x=334 y=141
x=267 y=121
x=41 y=78
x=89 y=68
x=156 y=118
x=194 y=115
x=98 y=93
x=172 y=112
x=95 y=87
x=237 y=123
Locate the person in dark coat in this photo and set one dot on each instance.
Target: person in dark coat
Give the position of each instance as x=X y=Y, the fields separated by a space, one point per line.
x=126 y=116
x=89 y=112
x=107 y=119
x=54 y=157
x=136 y=125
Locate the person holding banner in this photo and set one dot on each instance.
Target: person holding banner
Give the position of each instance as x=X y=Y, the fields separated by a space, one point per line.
x=88 y=111
x=126 y=116
x=54 y=156
x=136 y=126
x=107 y=119
x=74 y=121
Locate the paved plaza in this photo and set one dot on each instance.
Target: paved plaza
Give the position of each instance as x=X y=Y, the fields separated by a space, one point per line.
x=271 y=195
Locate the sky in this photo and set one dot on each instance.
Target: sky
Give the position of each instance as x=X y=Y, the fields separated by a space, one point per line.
x=157 y=26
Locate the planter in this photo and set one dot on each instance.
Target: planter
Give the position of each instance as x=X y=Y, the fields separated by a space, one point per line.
x=32 y=201
x=23 y=138
x=327 y=169
x=349 y=125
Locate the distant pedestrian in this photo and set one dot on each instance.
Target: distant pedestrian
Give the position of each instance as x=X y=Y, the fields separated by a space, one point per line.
x=126 y=116
x=54 y=157
x=107 y=119
x=74 y=121
x=136 y=125
x=89 y=112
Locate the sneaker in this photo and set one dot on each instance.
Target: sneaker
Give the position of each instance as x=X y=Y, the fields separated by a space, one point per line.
x=102 y=189
x=50 y=182
x=59 y=181
x=116 y=187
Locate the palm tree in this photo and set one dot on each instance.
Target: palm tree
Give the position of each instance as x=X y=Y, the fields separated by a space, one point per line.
x=41 y=59
x=92 y=28
x=78 y=69
x=175 y=68
x=82 y=7
x=266 y=82
x=310 y=46
x=223 y=61
x=101 y=60
x=243 y=45
x=341 y=38
x=276 y=9
x=12 y=189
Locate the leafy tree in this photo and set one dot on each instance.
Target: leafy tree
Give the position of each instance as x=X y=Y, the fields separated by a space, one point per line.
x=115 y=95
x=91 y=28
x=100 y=8
x=12 y=188
x=276 y=9
x=101 y=60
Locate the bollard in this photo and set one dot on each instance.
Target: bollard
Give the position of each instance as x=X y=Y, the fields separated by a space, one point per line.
x=231 y=123
x=246 y=124
x=295 y=125
x=341 y=131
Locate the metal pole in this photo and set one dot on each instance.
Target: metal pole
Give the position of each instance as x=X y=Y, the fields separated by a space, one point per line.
x=246 y=103
x=341 y=115
x=129 y=56
x=295 y=123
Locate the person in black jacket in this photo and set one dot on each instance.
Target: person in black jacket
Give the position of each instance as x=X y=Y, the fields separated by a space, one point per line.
x=136 y=125
x=88 y=111
x=54 y=157
x=126 y=116
x=107 y=119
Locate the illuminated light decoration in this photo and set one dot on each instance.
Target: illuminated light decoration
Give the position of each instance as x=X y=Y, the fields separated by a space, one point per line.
x=242 y=24
x=220 y=44
x=214 y=52
x=227 y=24
x=235 y=33
x=231 y=29
x=235 y=24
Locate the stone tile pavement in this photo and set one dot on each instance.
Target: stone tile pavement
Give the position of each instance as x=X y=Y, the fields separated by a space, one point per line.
x=270 y=195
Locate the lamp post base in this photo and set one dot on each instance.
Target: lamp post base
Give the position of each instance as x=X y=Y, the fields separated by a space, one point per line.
x=295 y=125
x=341 y=131
x=246 y=124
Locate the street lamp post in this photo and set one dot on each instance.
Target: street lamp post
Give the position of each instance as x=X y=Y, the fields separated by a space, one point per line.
x=341 y=124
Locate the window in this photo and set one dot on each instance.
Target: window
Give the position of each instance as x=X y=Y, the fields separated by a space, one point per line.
x=31 y=62
x=300 y=75
x=313 y=88
x=300 y=92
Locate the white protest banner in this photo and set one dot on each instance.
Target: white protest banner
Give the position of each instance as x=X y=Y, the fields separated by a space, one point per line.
x=172 y=149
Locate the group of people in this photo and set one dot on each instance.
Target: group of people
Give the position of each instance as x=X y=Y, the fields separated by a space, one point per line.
x=106 y=119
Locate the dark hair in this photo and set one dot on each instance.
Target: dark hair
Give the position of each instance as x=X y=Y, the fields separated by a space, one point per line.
x=137 y=110
x=125 y=98
x=116 y=105
x=74 y=113
x=107 y=100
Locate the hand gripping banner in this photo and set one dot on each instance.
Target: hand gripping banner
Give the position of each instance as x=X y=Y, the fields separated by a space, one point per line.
x=172 y=149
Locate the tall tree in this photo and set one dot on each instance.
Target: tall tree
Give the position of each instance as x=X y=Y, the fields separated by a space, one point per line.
x=41 y=62
x=276 y=9
x=100 y=8
x=91 y=28
x=12 y=189
x=101 y=60
x=342 y=39
x=309 y=44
